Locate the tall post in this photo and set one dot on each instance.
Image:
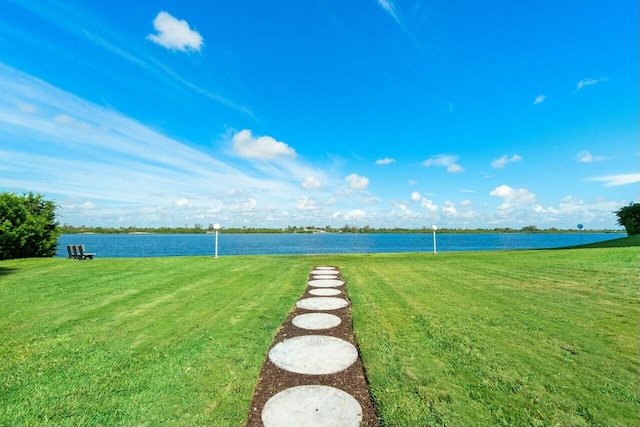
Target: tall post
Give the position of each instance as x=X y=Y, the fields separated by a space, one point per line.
x=216 y=227
x=434 y=228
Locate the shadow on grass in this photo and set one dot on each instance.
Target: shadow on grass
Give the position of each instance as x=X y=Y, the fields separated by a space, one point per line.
x=6 y=271
x=623 y=242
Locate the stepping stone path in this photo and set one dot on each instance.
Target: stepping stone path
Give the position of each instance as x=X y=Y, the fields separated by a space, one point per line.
x=313 y=375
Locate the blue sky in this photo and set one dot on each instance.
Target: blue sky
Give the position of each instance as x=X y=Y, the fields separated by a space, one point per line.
x=266 y=114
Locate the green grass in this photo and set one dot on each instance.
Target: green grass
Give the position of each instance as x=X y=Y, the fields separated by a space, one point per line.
x=165 y=341
x=511 y=338
x=545 y=337
x=623 y=242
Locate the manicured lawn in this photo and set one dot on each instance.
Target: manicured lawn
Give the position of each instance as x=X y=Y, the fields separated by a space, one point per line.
x=476 y=338
x=511 y=338
x=164 y=341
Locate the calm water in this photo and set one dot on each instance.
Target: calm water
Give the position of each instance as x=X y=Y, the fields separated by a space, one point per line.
x=158 y=245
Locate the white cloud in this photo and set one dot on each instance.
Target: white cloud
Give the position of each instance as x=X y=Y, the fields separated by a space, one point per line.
x=88 y=205
x=504 y=160
x=311 y=183
x=415 y=196
x=248 y=205
x=355 y=214
x=404 y=211
x=306 y=204
x=539 y=99
x=385 y=161
x=520 y=196
x=444 y=160
x=617 y=180
x=588 y=82
x=357 y=182
x=261 y=148
x=586 y=157
x=429 y=205
x=449 y=209
x=175 y=34
x=182 y=202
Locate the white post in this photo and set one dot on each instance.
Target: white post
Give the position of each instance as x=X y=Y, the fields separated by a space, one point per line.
x=434 y=228
x=216 y=227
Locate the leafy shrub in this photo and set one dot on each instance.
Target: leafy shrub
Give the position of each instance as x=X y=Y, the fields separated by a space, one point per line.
x=27 y=226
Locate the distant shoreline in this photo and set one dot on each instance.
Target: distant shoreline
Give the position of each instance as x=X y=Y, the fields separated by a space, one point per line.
x=350 y=230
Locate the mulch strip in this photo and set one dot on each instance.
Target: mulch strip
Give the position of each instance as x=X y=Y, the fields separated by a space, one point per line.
x=273 y=379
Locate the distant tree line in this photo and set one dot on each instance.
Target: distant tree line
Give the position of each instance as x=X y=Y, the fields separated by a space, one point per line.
x=310 y=229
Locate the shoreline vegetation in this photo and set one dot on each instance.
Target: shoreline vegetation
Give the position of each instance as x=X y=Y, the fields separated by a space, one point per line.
x=200 y=229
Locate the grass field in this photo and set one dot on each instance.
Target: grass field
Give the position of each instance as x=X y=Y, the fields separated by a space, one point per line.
x=545 y=337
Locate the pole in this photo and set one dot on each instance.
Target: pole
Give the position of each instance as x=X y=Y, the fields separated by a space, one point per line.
x=434 y=242
x=216 y=253
x=434 y=228
x=216 y=227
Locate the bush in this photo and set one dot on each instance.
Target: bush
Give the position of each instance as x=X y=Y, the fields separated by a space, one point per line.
x=629 y=218
x=27 y=226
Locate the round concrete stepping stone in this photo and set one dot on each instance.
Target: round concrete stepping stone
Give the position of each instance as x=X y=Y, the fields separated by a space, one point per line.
x=326 y=272
x=324 y=276
x=313 y=354
x=313 y=406
x=325 y=283
x=325 y=292
x=322 y=303
x=316 y=321
x=322 y=267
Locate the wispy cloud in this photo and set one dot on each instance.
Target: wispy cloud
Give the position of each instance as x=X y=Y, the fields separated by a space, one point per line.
x=617 y=180
x=505 y=160
x=586 y=157
x=390 y=8
x=175 y=34
x=539 y=99
x=589 y=81
x=445 y=160
x=385 y=161
x=67 y=147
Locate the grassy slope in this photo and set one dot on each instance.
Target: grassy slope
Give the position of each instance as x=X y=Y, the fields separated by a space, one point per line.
x=512 y=338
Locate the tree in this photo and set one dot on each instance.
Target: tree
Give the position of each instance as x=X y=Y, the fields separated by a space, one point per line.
x=27 y=226
x=629 y=218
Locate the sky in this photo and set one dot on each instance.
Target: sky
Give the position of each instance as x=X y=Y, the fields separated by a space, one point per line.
x=386 y=113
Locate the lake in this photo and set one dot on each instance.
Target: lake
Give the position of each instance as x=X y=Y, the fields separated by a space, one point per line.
x=161 y=245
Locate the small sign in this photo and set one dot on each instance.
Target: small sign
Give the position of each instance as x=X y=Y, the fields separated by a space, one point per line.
x=580 y=226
